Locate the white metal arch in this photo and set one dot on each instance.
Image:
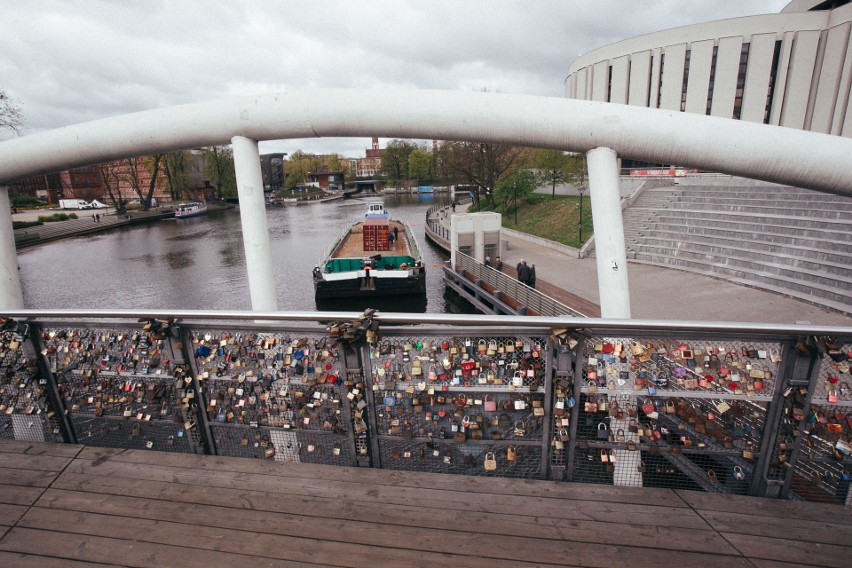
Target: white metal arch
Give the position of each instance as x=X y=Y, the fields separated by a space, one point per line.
x=603 y=131
x=807 y=159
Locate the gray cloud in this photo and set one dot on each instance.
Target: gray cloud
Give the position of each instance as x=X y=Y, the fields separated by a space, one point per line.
x=72 y=61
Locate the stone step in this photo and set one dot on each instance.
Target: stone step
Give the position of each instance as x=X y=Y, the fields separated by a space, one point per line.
x=831 y=275
x=768 y=201
x=840 y=253
x=759 y=279
x=778 y=223
x=786 y=210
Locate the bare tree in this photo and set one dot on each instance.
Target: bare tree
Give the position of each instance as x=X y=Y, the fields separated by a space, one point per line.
x=111 y=178
x=11 y=117
x=482 y=165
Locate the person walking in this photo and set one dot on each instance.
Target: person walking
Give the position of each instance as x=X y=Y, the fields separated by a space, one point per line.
x=488 y=262
x=531 y=277
x=499 y=264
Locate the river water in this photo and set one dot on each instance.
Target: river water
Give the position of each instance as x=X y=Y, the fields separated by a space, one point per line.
x=199 y=263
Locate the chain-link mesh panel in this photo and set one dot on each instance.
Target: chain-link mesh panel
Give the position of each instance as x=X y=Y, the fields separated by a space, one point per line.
x=26 y=412
x=480 y=362
x=835 y=376
x=467 y=458
x=110 y=432
x=648 y=366
x=283 y=444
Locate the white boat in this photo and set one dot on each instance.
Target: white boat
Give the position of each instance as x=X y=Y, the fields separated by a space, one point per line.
x=190 y=209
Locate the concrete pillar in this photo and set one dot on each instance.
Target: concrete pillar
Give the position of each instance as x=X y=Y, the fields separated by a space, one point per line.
x=11 y=294
x=609 y=233
x=253 y=220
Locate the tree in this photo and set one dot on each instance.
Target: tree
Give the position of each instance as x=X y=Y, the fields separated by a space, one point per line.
x=298 y=166
x=11 y=117
x=111 y=178
x=421 y=165
x=577 y=170
x=553 y=167
x=219 y=169
x=482 y=165
x=176 y=169
x=517 y=186
x=395 y=159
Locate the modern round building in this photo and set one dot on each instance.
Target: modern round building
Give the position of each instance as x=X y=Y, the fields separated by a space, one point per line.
x=791 y=69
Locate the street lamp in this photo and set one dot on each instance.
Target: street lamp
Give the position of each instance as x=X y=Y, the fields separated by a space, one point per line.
x=580 y=190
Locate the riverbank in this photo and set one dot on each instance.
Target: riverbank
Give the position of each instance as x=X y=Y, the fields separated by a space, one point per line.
x=89 y=221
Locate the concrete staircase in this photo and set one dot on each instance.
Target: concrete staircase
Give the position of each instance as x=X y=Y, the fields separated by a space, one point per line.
x=783 y=239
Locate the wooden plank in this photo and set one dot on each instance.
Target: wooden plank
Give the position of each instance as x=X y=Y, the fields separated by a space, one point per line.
x=375 y=477
x=39 y=448
x=281 y=548
x=112 y=550
x=631 y=528
x=26 y=478
x=768 y=507
x=425 y=499
x=513 y=548
x=14 y=495
x=791 y=527
x=9 y=514
x=759 y=563
x=783 y=549
x=39 y=462
x=19 y=560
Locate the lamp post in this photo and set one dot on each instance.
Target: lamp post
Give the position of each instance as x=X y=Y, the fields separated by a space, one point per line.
x=581 y=189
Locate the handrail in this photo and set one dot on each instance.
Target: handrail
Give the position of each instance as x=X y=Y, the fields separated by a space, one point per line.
x=531 y=298
x=466 y=320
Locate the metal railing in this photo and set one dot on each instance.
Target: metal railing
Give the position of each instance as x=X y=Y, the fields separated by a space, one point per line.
x=758 y=409
x=530 y=298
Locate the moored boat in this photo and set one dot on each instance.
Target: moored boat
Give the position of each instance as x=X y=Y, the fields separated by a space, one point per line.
x=375 y=257
x=190 y=209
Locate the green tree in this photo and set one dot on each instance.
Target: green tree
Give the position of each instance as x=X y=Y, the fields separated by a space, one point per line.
x=553 y=167
x=219 y=169
x=298 y=166
x=11 y=117
x=421 y=165
x=578 y=171
x=395 y=159
x=515 y=187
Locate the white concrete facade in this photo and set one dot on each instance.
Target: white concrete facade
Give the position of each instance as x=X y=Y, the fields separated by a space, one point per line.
x=797 y=69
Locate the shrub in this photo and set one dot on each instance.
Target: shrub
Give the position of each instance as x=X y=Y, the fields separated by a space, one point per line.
x=56 y=217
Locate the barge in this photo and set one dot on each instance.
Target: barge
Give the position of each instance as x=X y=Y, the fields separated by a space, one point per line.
x=375 y=257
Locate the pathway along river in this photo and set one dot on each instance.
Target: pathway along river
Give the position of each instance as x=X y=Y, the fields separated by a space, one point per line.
x=199 y=263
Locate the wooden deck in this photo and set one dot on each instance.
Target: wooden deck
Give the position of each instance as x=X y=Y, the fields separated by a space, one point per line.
x=353 y=244
x=63 y=505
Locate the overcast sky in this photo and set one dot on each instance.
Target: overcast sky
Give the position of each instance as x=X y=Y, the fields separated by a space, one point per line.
x=69 y=61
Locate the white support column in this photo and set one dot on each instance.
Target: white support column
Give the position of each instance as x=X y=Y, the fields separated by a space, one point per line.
x=610 y=251
x=253 y=219
x=11 y=294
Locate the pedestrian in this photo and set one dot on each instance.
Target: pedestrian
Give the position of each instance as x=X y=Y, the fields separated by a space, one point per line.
x=391 y=238
x=97 y=218
x=93 y=218
x=395 y=233
x=531 y=277
x=523 y=272
x=499 y=265
x=488 y=261
x=454 y=206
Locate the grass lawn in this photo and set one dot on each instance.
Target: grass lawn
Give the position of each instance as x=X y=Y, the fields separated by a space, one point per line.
x=554 y=219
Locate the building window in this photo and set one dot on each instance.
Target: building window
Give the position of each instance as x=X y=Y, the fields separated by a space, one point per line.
x=773 y=72
x=650 y=78
x=660 y=84
x=712 y=79
x=741 y=76
x=685 y=80
x=609 y=84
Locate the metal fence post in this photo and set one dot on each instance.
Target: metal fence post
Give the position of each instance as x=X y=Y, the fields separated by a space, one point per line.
x=66 y=428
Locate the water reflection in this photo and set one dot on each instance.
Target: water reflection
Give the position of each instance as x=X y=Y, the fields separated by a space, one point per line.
x=199 y=263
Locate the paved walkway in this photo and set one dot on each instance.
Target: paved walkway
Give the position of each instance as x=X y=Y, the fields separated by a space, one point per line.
x=666 y=294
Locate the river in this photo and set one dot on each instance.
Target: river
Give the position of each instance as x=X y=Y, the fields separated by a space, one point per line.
x=199 y=263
